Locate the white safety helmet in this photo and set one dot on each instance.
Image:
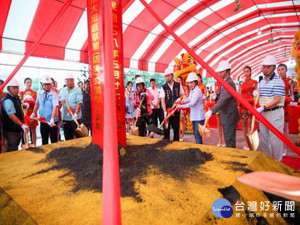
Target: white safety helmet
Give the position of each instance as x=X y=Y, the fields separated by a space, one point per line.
x=269 y=61
x=69 y=76
x=192 y=77
x=168 y=71
x=46 y=79
x=139 y=80
x=13 y=83
x=223 y=65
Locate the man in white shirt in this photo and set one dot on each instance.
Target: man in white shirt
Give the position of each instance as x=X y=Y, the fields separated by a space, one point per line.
x=170 y=92
x=155 y=104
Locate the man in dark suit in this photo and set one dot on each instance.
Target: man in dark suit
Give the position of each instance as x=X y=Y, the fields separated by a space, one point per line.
x=228 y=107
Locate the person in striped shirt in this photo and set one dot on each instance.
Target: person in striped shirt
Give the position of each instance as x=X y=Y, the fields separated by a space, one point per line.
x=271 y=101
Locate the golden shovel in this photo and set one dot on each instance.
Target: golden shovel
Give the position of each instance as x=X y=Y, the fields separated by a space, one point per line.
x=204 y=132
x=252 y=136
x=81 y=129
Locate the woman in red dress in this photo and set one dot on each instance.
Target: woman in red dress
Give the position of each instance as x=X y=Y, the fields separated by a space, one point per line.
x=246 y=89
x=289 y=96
x=28 y=98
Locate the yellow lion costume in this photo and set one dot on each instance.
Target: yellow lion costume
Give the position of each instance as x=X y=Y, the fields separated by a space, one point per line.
x=184 y=66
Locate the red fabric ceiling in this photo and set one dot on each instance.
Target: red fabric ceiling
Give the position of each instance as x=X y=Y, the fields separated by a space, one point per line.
x=216 y=30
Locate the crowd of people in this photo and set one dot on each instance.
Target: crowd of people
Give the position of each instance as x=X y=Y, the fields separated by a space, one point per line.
x=151 y=110
x=53 y=109
x=170 y=104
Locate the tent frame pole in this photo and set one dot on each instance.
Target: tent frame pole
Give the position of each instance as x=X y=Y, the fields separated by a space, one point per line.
x=111 y=210
x=233 y=92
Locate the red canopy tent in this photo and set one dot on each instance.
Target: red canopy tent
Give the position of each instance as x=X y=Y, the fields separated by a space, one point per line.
x=215 y=30
x=209 y=30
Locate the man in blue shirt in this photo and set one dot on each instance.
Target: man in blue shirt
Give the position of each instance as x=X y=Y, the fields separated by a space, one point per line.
x=12 y=116
x=47 y=104
x=271 y=100
x=73 y=97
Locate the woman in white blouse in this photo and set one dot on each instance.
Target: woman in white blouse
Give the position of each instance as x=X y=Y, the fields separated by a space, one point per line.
x=196 y=105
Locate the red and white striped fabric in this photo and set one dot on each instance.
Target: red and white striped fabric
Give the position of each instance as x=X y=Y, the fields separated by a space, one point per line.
x=215 y=30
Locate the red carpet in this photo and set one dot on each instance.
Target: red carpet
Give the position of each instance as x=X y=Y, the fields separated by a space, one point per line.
x=293 y=162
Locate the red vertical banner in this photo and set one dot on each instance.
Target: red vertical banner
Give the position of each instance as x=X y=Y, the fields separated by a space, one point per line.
x=119 y=69
x=96 y=58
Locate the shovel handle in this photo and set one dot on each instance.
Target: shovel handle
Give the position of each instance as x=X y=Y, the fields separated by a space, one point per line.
x=67 y=104
x=205 y=122
x=169 y=115
x=253 y=117
x=34 y=118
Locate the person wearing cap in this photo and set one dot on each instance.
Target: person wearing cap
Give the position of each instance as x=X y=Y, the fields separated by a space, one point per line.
x=12 y=116
x=271 y=101
x=26 y=97
x=227 y=105
x=47 y=106
x=170 y=92
x=195 y=103
x=73 y=97
x=142 y=102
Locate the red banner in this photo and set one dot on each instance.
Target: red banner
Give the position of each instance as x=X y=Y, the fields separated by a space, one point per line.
x=96 y=58
x=119 y=69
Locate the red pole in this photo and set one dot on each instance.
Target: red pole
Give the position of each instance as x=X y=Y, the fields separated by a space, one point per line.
x=237 y=96
x=111 y=213
x=33 y=47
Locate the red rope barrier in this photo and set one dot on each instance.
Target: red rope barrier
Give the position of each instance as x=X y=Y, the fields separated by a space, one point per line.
x=237 y=96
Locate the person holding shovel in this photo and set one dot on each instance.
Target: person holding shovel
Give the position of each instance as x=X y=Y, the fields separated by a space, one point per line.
x=195 y=103
x=47 y=105
x=171 y=92
x=142 y=102
x=227 y=105
x=12 y=117
x=71 y=97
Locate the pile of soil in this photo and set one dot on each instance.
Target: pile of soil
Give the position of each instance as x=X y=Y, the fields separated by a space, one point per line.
x=85 y=164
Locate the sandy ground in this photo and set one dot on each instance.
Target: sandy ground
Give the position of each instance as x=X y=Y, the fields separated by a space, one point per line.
x=240 y=140
x=43 y=186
